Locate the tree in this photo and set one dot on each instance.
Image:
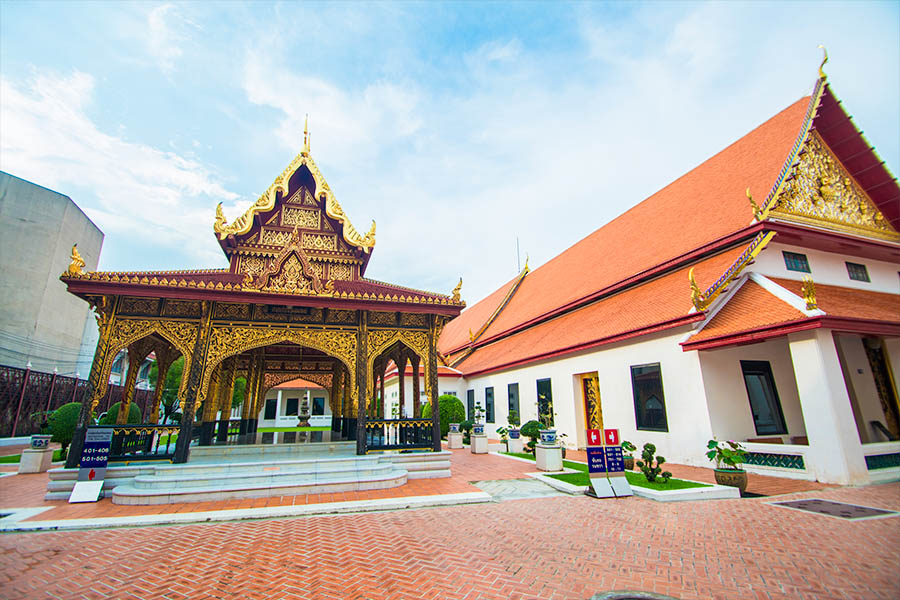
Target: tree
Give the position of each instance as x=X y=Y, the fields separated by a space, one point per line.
x=239 y=393
x=169 y=399
x=451 y=410
x=61 y=424
x=134 y=415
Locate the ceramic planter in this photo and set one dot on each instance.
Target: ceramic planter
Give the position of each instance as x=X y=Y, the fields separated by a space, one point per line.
x=548 y=437
x=454 y=427
x=514 y=434
x=733 y=478
x=629 y=463
x=39 y=442
x=478 y=429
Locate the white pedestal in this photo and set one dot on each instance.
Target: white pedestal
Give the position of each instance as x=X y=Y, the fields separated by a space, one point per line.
x=516 y=446
x=479 y=444
x=548 y=458
x=454 y=441
x=35 y=461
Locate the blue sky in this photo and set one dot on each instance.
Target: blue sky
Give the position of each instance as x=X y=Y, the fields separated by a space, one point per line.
x=458 y=127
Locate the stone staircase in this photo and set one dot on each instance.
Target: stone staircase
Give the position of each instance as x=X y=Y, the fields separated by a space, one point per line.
x=216 y=473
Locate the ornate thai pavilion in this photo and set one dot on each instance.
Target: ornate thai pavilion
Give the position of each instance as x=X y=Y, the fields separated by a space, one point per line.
x=294 y=302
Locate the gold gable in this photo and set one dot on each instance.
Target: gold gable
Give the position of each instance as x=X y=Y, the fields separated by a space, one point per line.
x=820 y=192
x=267 y=202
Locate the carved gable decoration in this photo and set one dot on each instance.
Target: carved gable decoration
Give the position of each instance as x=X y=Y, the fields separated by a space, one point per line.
x=290 y=272
x=820 y=192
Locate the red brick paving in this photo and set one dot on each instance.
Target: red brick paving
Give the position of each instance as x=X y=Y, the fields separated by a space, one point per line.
x=550 y=548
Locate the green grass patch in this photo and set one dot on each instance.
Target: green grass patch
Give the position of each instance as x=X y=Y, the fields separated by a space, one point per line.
x=15 y=458
x=636 y=479
x=280 y=429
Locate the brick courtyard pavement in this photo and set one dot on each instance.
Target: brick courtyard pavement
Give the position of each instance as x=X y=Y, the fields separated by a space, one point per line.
x=558 y=547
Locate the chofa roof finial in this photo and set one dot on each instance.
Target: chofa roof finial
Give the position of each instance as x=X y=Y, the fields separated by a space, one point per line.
x=306 y=135
x=822 y=74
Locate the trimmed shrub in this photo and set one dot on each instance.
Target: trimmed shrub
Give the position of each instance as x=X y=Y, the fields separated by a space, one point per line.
x=61 y=424
x=134 y=415
x=451 y=411
x=531 y=430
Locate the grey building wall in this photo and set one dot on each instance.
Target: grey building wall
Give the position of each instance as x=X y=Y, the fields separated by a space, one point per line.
x=40 y=321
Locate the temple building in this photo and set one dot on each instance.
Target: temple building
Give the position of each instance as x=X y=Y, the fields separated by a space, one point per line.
x=293 y=303
x=755 y=298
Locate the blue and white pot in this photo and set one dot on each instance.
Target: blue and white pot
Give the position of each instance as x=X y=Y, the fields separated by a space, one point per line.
x=454 y=427
x=478 y=429
x=40 y=442
x=548 y=437
x=514 y=434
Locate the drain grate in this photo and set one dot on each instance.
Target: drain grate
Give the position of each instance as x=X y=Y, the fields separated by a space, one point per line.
x=836 y=509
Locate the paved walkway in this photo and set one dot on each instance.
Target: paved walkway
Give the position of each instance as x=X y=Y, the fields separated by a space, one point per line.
x=551 y=547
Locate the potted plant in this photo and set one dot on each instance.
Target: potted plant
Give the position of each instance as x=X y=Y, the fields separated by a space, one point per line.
x=478 y=426
x=728 y=456
x=531 y=430
x=628 y=448
x=454 y=427
x=466 y=428
x=513 y=428
x=548 y=433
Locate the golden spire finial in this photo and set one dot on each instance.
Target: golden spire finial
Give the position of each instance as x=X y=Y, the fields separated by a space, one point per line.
x=758 y=213
x=456 y=290
x=696 y=294
x=822 y=74
x=76 y=267
x=306 y=135
x=808 y=287
x=526 y=263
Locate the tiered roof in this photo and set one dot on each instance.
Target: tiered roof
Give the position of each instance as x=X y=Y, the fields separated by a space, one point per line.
x=630 y=276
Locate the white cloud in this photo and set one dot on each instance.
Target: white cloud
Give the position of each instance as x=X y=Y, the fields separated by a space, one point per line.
x=150 y=197
x=166 y=31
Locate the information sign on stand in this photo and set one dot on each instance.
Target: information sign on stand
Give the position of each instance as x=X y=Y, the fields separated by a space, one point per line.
x=600 y=486
x=606 y=464
x=92 y=471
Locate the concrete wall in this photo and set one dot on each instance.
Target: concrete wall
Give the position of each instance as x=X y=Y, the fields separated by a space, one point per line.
x=726 y=394
x=860 y=386
x=281 y=397
x=41 y=321
x=446 y=385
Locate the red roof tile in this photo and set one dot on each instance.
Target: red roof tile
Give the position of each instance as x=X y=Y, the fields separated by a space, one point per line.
x=838 y=301
x=297 y=383
x=750 y=307
x=652 y=304
x=456 y=332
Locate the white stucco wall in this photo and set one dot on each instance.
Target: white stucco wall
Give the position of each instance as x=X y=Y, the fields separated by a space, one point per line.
x=686 y=410
x=726 y=394
x=446 y=385
x=861 y=386
x=283 y=420
x=828 y=268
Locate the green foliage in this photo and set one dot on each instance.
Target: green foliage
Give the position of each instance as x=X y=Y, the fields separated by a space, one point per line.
x=730 y=455
x=532 y=430
x=628 y=448
x=239 y=393
x=61 y=423
x=451 y=411
x=134 y=414
x=651 y=471
x=504 y=433
x=513 y=418
x=466 y=428
x=169 y=401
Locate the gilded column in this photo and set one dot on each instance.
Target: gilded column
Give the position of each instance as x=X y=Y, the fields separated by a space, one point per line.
x=226 y=393
x=333 y=399
x=417 y=395
x=247 y=407
x=401 y=376
x=105 y=308
x=209 y=407
x=432 y=383
x=198 y=365
x=166 y=354
x=362 y=381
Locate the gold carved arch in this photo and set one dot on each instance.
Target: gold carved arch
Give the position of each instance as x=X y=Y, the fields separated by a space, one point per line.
x=382 y=339
x=128 y=331
x=274 y=379
x=228 y=341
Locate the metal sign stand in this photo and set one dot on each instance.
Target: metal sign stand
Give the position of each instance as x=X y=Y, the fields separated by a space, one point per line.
x=606 y=465
x=92 y=471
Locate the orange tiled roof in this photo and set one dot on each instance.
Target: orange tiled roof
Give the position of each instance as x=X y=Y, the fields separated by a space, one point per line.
x=704 y=205
x=849 y=303
x=297 y=383
x=653 y=304
x=456 y=332
x=750 y=307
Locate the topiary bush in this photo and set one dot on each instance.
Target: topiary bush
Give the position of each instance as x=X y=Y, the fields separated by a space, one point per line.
x=451 y=410
x=647 y=467
x=466 y=428
x=61 y=424
x=134 y=415
x=531 y=430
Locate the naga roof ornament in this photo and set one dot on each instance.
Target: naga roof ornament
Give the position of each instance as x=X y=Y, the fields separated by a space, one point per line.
x=266 y=202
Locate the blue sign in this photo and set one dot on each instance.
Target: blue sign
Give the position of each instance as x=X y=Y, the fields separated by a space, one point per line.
x=596 y=460
x=615 y=460
x=95 y=453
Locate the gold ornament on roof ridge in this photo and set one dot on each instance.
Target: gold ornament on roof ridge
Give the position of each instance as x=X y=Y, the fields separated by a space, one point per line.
x=822 y=74
x=808 y=287
x=76 y=267
x=456 y=291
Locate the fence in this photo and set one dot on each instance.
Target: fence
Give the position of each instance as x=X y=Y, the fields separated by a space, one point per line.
x=25 y=395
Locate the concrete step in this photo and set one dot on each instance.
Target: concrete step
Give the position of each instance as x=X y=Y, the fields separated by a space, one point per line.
x=128 y=494
x=423 y=465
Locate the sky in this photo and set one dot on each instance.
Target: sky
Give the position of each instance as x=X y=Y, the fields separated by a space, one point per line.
x=462 y=129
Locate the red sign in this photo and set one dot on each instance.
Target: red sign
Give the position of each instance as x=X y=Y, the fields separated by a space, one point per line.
x=611 y=437
x=595 y=438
